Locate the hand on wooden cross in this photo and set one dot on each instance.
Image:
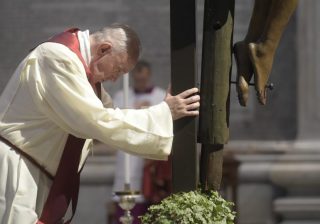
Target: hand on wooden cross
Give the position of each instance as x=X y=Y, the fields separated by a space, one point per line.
x=183 y=104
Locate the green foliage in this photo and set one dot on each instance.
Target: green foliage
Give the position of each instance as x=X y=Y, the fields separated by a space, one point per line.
x=194 y=207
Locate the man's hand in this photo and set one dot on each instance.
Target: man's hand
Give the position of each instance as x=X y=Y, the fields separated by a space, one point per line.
x=183 y=104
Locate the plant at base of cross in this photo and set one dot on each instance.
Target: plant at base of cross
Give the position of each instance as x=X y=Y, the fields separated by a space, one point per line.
x=194 y=207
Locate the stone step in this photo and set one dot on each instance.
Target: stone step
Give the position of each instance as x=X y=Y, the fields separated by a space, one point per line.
x=298 y=208
x=300 y=222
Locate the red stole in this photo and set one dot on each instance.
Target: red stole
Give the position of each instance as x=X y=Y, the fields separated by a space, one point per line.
x=65 y=185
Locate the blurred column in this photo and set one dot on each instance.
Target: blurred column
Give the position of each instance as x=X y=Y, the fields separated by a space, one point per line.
x=308 y=45
x=297 y=171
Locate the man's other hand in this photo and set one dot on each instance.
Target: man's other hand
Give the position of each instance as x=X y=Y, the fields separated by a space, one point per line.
x=183 y=104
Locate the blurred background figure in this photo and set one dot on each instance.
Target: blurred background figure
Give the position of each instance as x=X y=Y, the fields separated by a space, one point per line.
x=143 y=92
x=151 y=178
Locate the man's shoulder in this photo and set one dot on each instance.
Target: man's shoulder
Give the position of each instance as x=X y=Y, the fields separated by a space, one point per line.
x=57 y=54
x=55 y=51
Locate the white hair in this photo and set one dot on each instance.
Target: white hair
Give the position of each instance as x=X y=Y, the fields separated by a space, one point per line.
x=123 y=38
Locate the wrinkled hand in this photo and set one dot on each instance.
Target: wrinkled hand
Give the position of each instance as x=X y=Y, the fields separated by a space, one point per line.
x=184 y=104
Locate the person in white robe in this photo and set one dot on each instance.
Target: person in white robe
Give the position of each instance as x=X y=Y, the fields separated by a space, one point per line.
x=142 y=94
x=49 y=97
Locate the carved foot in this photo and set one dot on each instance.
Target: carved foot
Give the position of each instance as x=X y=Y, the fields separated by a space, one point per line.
x=244 y=71
x=261 y=58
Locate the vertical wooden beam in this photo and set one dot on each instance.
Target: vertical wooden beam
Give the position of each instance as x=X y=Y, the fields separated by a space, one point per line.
x=183 y=68
x=215 y=88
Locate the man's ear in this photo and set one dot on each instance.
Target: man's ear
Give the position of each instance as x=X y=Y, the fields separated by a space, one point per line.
x=104 y=48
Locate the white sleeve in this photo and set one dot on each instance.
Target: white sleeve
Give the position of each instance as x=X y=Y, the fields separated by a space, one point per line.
x=71 y=103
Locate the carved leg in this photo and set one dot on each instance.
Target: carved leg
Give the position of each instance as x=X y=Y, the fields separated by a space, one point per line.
x=262 y=52
x=241 y=51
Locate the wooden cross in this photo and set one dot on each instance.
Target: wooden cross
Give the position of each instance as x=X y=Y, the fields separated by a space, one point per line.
x=215 y=86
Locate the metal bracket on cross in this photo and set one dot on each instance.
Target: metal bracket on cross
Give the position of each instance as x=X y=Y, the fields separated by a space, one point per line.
x=269 y=86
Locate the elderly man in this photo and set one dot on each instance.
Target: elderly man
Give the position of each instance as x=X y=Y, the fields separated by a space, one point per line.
x=54 y=104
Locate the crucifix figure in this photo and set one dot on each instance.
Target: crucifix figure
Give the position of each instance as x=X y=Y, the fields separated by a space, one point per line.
x=255 y=53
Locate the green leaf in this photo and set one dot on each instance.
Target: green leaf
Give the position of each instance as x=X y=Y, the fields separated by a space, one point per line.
x=191 y=208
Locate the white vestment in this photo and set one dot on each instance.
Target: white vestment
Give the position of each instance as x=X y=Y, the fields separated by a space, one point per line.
x=136 y=163
x=47 y=98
